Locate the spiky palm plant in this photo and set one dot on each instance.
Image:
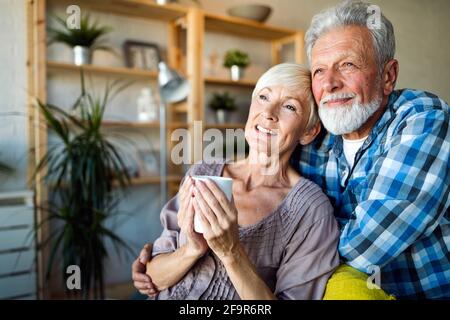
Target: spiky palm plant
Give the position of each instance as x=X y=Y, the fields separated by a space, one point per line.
x=89 y=35
x=83 y=169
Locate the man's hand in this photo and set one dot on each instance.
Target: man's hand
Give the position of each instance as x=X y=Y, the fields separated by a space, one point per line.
x=142 y=281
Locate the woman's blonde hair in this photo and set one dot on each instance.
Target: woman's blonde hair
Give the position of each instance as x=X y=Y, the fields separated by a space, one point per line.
x=294 y=77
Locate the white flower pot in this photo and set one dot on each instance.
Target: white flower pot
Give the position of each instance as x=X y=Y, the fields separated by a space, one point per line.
x=82 y=55
x=237 y=73
x=221 y=116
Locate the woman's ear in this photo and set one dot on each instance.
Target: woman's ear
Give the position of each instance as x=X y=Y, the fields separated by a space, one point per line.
x=311 y=134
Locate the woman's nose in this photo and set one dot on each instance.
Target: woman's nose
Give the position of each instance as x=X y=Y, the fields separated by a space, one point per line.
x=270 y=112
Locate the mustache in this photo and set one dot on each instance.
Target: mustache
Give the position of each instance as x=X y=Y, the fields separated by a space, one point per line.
x=337 y=96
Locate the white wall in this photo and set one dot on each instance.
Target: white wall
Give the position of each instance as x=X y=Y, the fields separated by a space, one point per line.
x=13 y=93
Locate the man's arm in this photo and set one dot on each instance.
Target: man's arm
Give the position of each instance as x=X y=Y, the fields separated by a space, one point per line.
x=141 y=281
x=407 y=192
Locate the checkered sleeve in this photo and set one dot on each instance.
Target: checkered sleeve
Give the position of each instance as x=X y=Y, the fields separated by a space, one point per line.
x=407 y=191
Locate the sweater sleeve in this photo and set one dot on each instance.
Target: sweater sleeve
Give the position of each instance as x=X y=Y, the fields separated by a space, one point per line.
x=310 y=257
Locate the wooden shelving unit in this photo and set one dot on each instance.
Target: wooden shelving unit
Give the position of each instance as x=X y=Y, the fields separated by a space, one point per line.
x=184 y=24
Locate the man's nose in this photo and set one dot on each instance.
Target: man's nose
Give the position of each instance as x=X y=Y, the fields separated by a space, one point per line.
x=331 y=81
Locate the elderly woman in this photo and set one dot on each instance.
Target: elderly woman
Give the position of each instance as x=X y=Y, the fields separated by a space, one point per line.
x=277 y=237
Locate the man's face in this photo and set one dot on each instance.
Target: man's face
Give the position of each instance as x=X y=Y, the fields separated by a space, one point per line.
x=345 y=74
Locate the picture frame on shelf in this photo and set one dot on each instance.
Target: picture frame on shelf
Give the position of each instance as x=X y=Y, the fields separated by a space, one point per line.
x=148 y=162
x=141 y=55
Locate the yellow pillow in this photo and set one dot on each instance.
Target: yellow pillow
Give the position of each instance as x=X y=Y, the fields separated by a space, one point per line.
x=348 y=283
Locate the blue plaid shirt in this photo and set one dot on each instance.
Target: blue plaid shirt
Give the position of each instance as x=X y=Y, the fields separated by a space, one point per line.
x=393 y=204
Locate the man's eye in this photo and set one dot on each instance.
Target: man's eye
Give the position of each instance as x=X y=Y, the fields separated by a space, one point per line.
x=263 y=97
x=348 y=65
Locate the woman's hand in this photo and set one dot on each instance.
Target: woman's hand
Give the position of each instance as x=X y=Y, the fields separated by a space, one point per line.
x=196 y=244
x=219 y=219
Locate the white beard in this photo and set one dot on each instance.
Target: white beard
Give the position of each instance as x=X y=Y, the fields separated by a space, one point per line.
x=346 y=119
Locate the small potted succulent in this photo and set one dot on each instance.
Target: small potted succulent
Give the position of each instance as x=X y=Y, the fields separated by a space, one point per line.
x=83 y=40
x=236 y=61
x=222 y=103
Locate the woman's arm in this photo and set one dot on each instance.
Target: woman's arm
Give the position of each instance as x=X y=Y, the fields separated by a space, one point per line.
x=245 y=278
x=219 y=218
x=167 y=269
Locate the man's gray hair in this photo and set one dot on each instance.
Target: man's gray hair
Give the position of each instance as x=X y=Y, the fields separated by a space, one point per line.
x=295 y=77
x=350 y=13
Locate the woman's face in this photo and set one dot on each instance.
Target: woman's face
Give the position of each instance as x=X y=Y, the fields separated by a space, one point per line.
x=276 y=112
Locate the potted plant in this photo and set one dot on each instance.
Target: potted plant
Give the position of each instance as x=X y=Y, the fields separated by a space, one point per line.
x=83 y=41
x=82 y=170
x=236 y=61
x=222 y=103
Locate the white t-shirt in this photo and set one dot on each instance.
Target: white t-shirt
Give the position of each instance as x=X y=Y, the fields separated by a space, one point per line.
x=351 y=147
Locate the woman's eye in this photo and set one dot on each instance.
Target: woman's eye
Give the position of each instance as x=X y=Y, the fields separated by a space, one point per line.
x=290 y=107
x=317 y=71
x=263 y=97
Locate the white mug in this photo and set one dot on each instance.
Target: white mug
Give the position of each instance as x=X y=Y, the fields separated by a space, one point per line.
x=225 y=184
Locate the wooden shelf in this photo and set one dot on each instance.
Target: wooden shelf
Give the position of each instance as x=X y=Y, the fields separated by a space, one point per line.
x=142 y=125
x=229 y=82
x=177 y=125
x=130 y=124
x=141 y=181
x=225 y=126
x=244 y=28
x=134 y=8
x=54 y=66
x=180 y=107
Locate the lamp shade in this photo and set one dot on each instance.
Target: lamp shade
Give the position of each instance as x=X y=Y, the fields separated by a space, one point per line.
x=172 y=86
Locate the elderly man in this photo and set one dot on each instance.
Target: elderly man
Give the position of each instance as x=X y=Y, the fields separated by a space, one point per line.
x=385 y=163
